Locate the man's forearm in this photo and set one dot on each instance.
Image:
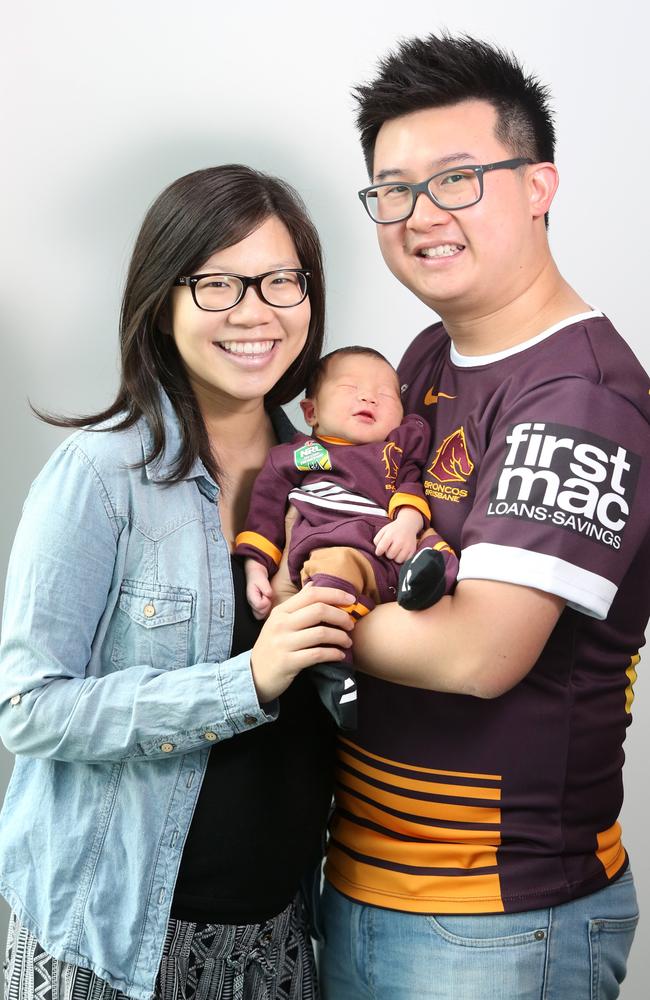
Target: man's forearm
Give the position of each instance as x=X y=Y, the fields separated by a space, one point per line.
x=481 y=641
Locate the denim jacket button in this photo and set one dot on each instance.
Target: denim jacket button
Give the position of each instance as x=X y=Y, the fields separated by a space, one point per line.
x=166 y=747
x=16 y=700
x=250 y=720
x=148 y=611
x=209 y=735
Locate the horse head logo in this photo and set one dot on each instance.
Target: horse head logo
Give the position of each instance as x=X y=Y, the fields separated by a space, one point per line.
x=390 y=458
x=452 y=463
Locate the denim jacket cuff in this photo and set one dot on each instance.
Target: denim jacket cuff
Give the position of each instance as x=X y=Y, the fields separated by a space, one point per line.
x=242 y=709
x=239 y=711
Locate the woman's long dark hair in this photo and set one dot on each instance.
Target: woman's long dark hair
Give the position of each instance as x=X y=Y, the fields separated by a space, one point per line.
x=194 y=217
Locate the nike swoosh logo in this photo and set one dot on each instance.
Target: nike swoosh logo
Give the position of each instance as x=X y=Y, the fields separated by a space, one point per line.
x=433 y=397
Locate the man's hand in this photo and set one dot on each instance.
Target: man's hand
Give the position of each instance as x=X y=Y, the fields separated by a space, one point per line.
x=398 y=540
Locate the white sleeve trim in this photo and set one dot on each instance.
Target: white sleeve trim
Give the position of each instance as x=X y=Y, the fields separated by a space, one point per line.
x=583 y=590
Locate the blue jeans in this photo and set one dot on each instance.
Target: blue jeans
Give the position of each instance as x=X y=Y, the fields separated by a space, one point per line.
x=576 y=951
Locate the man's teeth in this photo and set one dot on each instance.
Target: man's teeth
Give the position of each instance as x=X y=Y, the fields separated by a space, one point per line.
x=247 y=346
x=446 y=250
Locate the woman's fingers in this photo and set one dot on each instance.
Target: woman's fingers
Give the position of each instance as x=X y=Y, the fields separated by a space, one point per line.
x=313 y=655
x=319 y=635
x=317 y=614
x=310 y=627
x=310 y=595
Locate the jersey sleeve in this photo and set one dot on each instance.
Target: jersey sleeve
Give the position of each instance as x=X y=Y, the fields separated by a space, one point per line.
x=559 y=502
x=412 y=441
x=263 y=537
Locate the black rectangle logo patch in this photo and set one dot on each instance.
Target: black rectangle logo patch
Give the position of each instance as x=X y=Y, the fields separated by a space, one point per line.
x=567 y=477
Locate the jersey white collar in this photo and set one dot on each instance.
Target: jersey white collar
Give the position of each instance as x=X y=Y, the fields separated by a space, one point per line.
x=473 y=361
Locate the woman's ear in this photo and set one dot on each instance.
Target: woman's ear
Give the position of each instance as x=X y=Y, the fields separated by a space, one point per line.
x=308 y=411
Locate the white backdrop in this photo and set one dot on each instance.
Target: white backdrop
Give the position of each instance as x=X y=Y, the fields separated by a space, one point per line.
x=102 y=106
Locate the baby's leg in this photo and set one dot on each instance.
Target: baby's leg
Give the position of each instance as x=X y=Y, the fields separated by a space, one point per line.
x=347 y=569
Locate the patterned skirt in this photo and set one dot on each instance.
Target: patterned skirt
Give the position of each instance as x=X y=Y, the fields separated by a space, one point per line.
x=269 y=961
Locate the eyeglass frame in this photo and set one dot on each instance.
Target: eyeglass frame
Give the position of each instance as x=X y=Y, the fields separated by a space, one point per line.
x=423 y=186
x=191 y=280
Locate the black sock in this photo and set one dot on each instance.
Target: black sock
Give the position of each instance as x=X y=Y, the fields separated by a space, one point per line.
x=421 y=580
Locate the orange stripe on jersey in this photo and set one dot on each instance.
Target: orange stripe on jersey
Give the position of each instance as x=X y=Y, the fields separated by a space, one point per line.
x=631 y=676
x=431 y=809
x=415 y=784
x=411 y=767
x=409 y=500
x=355 y=610
x=413 y=893
x=416 y=844
x=443 y=547
x=414 y=854
x=610 y=852
x=259 y=542
x=409 y=826
x=332 y=440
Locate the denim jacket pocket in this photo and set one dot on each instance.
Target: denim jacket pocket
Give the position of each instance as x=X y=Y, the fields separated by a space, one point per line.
x=151 y=626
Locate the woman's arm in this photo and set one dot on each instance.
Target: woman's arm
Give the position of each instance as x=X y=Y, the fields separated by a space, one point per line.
x=481 y=641
x=61 y=572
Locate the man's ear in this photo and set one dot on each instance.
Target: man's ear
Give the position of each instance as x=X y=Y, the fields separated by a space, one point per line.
x=543 y=180
x=308 y=411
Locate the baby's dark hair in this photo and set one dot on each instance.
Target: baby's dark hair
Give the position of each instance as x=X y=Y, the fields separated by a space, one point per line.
x=319 y=370
x=435 y=72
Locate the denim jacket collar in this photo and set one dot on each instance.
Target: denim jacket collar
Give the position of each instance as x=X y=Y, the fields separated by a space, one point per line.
x=161 y=468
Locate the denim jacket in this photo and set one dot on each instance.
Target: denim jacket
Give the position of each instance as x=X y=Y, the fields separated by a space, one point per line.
x=115 y=679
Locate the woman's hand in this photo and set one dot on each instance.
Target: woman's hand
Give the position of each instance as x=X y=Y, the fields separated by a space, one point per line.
x=308 y=628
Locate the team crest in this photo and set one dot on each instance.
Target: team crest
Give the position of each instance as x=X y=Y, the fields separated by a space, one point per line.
x=452 y=463
x=312 y=457
x=391 y=458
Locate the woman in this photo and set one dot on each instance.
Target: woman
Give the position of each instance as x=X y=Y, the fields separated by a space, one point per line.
x=171 y=786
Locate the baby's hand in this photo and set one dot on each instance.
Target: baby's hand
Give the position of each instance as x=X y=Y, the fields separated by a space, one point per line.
x=258 y=589
x=398 y=540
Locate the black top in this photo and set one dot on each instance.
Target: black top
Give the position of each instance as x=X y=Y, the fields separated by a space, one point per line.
x=263 y=805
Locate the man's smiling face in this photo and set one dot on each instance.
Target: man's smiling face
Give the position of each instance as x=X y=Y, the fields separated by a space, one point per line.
x=468 y=262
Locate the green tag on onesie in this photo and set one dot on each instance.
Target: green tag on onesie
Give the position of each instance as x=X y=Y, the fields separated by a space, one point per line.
x=312 y=457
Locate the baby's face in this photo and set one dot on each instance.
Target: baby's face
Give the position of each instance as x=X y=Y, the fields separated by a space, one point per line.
x=358 y=400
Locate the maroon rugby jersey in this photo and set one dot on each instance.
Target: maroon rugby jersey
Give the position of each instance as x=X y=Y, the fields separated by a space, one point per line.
x=539 y=475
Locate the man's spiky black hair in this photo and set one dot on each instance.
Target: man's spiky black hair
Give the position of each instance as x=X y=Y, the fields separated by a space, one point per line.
x=440 y=71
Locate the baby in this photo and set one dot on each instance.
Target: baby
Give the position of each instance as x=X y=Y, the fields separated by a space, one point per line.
x=356 y=484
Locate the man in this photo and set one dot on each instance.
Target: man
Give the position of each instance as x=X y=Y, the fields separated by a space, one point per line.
x=475 y=850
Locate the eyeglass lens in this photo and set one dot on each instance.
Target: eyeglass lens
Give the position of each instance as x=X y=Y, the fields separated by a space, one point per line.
x=452 y=189
x=221 y=291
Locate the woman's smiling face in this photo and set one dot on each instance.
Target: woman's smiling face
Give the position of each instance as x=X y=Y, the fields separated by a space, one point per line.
x=239 y=354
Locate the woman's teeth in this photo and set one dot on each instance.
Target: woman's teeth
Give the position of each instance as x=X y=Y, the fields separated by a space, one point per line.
x=247 y=346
